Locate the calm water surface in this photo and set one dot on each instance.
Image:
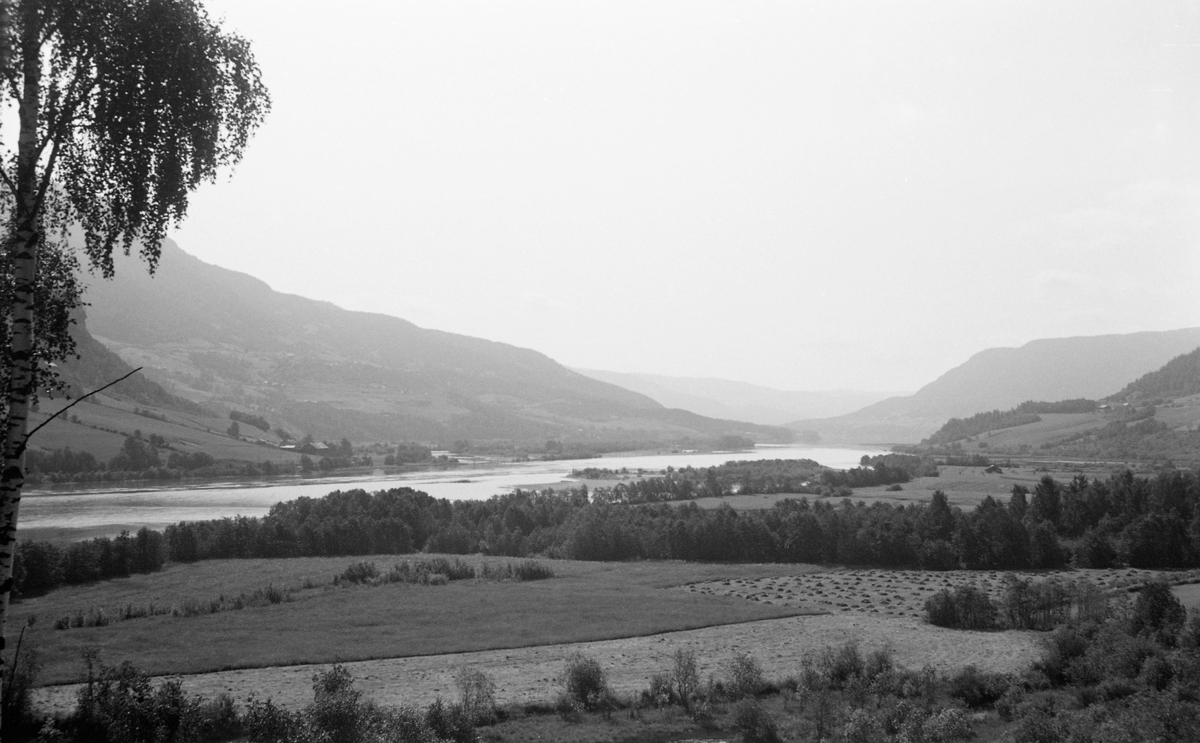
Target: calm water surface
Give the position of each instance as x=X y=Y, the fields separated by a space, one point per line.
x=158 y=507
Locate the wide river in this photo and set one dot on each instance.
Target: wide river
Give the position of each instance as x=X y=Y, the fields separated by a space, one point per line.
x=113 y=509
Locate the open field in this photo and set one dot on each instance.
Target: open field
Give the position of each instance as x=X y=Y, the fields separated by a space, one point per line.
x=585 y=601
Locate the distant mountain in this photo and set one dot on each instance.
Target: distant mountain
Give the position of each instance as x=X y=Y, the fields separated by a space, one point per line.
x=723 y=398
x=226 y=340
x=1002 y=378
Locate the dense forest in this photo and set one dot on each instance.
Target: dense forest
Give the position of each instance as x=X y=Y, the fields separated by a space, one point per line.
x=1144 y=522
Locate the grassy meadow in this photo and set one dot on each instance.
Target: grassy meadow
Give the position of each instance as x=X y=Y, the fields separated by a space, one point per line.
x=583 y=602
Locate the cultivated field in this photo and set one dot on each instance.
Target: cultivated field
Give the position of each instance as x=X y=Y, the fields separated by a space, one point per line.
x=894 y=593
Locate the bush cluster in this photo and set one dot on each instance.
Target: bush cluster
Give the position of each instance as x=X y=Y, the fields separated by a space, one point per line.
x=439 y=571
x=98 y=617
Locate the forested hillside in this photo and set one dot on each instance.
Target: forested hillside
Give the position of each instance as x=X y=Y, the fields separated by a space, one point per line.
x=226 y=341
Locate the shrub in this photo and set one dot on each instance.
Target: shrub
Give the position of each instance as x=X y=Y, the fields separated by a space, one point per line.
x=659 y=693
x=218 y=719
x=1156 y=673
x=263 y=722
x=449 y=722
x=946 y=725
x=1062 y=646
x=1009 y=702
x=880 y=662
x=745 y=676
x=754 y=723
x=477 y=695
x=359 y=572
x=1157 y=613
x=840 y=665
x=977 y=689
x=585 y=682
x=860 y=727
x=531 y=570
x=685 y=679
x=336 y=711
x=272 y=594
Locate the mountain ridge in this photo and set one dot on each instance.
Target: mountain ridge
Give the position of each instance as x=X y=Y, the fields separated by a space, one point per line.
x=1002 y=378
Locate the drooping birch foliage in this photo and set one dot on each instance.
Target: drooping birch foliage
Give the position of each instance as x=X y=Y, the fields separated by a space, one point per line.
x=123 y=107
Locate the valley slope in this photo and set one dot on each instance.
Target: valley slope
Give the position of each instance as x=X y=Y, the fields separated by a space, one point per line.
x=225 y=340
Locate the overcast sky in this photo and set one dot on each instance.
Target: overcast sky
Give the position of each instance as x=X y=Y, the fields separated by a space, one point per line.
x=807 y=195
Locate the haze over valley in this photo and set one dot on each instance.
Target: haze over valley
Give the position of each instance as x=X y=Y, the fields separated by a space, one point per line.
x=654 y=372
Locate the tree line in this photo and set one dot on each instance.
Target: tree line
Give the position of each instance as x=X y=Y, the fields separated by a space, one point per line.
x=1143 y=522
x=42 y=566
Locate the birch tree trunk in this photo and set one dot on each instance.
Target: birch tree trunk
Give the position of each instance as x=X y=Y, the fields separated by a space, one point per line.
x=23 y=247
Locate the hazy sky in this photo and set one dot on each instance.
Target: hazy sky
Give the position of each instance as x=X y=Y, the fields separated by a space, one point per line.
x=808 y=195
